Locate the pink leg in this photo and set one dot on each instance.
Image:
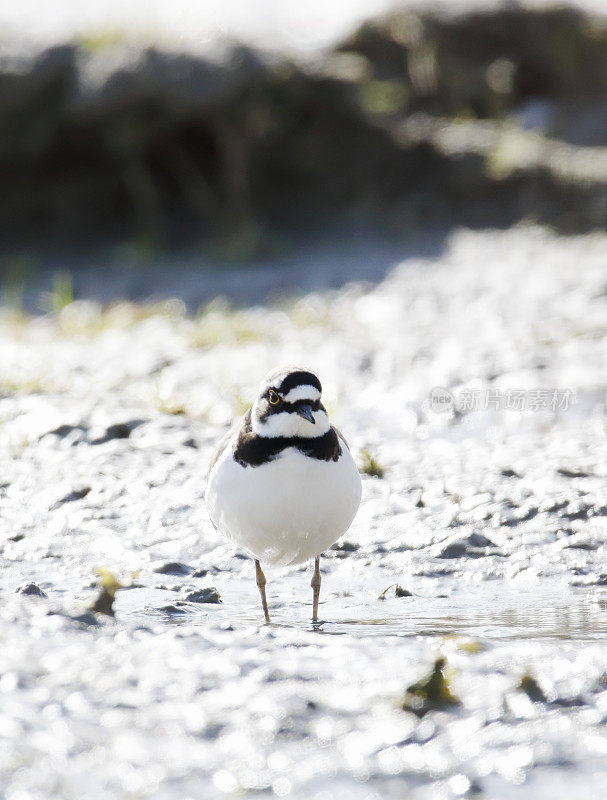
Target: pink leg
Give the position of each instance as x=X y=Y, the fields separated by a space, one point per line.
x=261 y=582
x=315 y=584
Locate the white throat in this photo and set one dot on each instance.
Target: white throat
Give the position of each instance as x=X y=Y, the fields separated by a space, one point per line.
x=288 y=424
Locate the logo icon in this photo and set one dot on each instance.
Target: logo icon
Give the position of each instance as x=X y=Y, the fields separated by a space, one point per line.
x=441 y=400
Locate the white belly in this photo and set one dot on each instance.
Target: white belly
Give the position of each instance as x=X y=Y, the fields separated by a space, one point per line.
x=288 y=510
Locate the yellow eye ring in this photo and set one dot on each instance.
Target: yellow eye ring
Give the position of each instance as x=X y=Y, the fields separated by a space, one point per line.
x=273 y=398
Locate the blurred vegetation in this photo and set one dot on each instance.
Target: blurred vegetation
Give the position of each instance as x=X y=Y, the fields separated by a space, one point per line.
x=30 y=384
x=529 y=685
x=431 y=693
x=417 y=117
x=370 y=465
x=166 y=401
x=16 y=272
x=108 y=586
x=398 y=591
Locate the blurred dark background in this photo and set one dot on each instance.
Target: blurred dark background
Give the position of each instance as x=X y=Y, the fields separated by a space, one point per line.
x=411 y=119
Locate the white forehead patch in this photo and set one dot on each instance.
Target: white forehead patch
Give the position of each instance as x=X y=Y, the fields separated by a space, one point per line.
x=302 y=393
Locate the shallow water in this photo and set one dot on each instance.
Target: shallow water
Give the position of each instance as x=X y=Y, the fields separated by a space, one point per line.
x=488 y=614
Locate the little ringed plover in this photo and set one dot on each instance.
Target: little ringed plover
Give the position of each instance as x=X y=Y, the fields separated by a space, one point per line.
x=282 y=484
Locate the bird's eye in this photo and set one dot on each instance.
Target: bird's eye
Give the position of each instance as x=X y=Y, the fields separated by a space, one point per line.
x=273 y=398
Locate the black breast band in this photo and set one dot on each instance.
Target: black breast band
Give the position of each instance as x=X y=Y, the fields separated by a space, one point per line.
x=252 y=450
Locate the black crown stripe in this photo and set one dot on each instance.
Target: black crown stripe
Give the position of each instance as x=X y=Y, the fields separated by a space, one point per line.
x=299 y=378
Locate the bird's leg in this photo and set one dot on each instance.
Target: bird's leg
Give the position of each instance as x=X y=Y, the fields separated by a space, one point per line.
x=315 y=584
x=261 y=582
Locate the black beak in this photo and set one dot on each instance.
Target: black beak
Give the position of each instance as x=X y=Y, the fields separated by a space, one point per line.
x=305 y=411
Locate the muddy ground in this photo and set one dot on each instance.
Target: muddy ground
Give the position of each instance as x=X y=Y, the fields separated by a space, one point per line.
x=475 y=379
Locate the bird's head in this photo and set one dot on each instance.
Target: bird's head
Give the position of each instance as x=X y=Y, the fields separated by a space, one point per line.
x=288 y=404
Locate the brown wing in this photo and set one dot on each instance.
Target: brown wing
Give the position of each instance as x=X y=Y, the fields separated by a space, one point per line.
x=341 y=436
x=223 y=442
